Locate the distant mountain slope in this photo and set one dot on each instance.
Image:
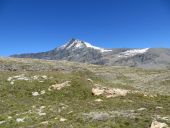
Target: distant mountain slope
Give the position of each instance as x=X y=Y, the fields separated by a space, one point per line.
x=80 y=51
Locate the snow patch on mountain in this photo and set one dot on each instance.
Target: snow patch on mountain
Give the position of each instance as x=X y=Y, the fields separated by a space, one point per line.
x=97 y=48
x=133 y=52
x=80 y=44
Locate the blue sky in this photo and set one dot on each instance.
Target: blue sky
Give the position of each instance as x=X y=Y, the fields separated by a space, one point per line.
x=40 y=25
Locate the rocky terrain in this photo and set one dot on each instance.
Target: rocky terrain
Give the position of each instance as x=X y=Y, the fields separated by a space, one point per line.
x=62 y=94
x=81 y=51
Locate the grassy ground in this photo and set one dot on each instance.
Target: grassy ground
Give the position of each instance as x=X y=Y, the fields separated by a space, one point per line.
x=76 y=104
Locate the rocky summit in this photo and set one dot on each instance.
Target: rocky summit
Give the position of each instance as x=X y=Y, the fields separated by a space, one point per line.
x=81 y=51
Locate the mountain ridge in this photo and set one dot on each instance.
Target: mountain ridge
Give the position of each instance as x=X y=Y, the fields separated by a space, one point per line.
x=81 y=51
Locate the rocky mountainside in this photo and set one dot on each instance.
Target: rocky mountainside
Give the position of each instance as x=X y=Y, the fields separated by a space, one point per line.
x=80 y=51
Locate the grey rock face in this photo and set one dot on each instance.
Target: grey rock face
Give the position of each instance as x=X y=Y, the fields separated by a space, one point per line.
x=80 y=51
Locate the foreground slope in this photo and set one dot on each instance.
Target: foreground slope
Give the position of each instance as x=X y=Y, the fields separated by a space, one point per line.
x=41 y=93
x=81 y=51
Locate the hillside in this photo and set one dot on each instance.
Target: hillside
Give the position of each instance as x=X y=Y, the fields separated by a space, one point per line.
x=45 y=93
x=80 y=51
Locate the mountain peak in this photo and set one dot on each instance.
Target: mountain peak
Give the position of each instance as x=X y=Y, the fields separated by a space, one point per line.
x=76 y=43
x=73 y=43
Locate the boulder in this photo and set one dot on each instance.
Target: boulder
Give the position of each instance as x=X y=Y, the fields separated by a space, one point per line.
x=156 y=124
x=59 y=86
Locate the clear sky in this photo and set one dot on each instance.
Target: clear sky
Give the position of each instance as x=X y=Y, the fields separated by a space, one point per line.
x=40 y=25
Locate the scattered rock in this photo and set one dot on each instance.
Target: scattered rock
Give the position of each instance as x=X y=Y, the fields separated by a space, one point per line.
x=62 y=119
x=70 y=112
x=109 y=92
x=141 y=109
x=35 y=94
x=44 y=122
x=42 y=92
x=35 y=77
x=9 y=117
x=90 y=80
x=9 y=79
x=20 y=77
x=156 y=124
x=44 y=77
x=1 y=122
x=20 y=120
x=59 y=86
x=42 y=114
x=40 y=111
x=164 y=118
x=98 y=100
x=12 y=83
x=23 y=77
x=42 y=107
x=97 y=91
x=33 y=106
x=158 y=107
x=128 y=101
